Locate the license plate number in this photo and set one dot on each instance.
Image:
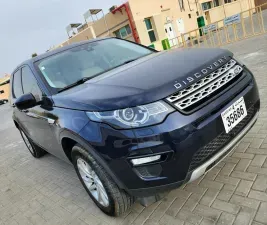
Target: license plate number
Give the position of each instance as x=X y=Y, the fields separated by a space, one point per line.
x=234 y=114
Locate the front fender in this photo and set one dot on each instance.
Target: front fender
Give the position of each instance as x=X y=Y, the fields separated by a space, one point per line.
x=77 y=138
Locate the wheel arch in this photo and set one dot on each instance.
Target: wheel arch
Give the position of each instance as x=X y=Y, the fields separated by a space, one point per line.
x=16 y=124
x=69 y=139
x=67 y=145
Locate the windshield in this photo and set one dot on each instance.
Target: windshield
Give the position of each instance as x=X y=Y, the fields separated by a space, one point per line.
x=88 y=60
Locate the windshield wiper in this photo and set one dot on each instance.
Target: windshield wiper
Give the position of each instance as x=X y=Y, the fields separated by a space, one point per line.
x=131 y=60
x=128 y=61
x=78 y=82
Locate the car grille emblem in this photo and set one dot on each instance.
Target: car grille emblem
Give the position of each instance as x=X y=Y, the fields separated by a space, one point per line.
x=205 y=71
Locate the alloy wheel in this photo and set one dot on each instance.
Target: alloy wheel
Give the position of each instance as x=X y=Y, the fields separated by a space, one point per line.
x=92 y=182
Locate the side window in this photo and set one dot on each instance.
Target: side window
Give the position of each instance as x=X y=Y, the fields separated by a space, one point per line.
x=29 y=83
x=17 y=88
x=123 y=32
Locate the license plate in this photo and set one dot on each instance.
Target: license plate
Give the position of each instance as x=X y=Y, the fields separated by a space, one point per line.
x=234 y=114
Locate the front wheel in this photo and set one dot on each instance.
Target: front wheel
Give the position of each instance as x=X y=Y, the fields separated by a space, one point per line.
x=99 y=185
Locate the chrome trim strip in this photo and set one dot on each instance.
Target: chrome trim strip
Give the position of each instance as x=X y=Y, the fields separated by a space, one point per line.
x=201 y=170
x=209 y=89
x=205 y=80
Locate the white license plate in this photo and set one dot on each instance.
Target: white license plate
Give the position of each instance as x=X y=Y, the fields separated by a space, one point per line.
x=234 y=114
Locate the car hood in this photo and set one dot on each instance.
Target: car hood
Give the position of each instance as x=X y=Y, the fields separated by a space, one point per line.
x=143 y=81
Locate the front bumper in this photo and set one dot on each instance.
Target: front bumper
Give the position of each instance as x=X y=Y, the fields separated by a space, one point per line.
x=180 y=137
x=208 y=165
x=202 y=169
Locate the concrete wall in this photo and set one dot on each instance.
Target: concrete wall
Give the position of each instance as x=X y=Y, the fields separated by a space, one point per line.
x=225 y=10
x=245 y=5
x=217 y=14
x=114 y=22
x=232 y=8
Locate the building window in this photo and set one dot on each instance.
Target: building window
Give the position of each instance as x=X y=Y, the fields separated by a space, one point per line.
x=150 y=30
x=181 y=4
x=123 y=32
x=207 y=5
x=197 y=13
x=189 y=15
x=216 y=3
x=227 y=1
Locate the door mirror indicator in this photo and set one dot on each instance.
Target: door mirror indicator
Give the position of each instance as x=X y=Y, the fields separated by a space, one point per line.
x=26 y=101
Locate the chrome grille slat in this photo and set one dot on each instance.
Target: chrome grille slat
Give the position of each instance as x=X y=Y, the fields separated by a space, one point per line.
x=194 y=95
x=209 y=78
x=208 y=89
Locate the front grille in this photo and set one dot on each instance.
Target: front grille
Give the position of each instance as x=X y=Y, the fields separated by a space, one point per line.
x=205 y=153
x=194 y=95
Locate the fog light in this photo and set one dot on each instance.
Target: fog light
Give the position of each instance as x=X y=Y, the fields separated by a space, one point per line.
x=145 y=160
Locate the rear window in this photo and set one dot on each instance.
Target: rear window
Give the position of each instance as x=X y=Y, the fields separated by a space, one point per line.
x=88 y=60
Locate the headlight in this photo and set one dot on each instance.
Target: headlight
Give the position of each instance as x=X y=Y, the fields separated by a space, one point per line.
x=139 y=116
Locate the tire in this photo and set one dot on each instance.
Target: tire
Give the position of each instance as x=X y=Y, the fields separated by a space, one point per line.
x=118 y=200
x=35 y=150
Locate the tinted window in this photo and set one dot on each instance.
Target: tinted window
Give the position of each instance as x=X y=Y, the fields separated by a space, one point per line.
x=117 y=34
x=29 y=83
x=123 y=32
x=17 y=89
x=148 y=24
x=152 y=36
x=88 y=60
x=128 y=29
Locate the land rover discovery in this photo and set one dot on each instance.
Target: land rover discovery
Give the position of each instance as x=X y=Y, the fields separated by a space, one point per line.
x=134 y=122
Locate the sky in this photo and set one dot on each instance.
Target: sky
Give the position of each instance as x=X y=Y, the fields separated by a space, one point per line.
x=30 y=26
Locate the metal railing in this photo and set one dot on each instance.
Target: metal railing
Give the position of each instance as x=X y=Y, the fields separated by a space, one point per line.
x=250 y=23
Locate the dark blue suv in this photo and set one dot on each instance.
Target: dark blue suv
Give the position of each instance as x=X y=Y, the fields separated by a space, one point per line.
x=134 y=122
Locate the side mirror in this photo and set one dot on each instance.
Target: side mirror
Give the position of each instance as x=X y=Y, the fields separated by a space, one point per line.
x=2 y=91
x=25 y=101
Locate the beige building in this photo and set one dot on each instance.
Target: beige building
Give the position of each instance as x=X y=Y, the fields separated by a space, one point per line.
x=215 y=10
x=4 y=86
x=151 y=21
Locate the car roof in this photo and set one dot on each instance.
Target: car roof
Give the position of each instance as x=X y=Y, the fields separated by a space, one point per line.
x=58 y=50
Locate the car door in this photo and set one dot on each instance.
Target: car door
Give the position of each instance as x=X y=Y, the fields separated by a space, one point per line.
x=34 y=120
